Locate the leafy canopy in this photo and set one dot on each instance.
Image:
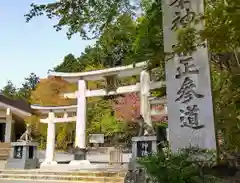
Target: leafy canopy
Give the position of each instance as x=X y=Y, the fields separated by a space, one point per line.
x=82 y=16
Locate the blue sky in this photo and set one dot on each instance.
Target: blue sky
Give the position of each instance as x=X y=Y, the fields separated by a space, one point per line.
x=31 y=47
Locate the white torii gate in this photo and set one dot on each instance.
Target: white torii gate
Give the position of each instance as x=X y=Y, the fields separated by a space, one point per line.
x=51 y=120
x=143 y=87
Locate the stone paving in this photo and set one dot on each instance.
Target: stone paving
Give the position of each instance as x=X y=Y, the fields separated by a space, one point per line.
x=94 y=158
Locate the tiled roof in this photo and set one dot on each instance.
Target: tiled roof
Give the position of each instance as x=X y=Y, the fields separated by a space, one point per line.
x=19 y=104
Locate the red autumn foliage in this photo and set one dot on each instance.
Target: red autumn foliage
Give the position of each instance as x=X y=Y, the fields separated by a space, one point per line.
x=127 y=108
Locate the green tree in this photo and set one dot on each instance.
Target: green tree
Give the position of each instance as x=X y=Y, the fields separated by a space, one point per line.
x=69 y=64
x=226 y=92
x=90 y=57
x=9 y=90
x=24 y=92
x=116 y=42
x=221 y=17
x=83 y=17
x=28 y=87
x=64 y=136
x=148 y=45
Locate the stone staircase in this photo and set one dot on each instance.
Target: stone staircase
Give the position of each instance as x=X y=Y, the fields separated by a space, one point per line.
x=61 y=176
x=4 y=151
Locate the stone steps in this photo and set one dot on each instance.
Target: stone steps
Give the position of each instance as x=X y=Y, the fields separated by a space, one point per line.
x=73 y=176
x=47 y=181
x=5 y=149
x=106 y=173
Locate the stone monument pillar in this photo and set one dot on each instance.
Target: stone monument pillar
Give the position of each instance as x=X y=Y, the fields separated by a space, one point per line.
x=141 y=146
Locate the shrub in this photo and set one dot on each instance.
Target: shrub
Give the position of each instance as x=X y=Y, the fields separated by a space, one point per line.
x=185 y=166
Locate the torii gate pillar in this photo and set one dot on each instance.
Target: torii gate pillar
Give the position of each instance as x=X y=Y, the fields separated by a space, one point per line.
x=80 y=140
x=50 y=149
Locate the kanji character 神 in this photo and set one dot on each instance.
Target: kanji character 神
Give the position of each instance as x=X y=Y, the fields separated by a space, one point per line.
x=180 y=3
x=182 y=21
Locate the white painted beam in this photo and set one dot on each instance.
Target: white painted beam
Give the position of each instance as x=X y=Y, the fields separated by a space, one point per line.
x=157 y=84
x=59 y=120
x=119 y=90
x=72 y=95
x=122 y=71
x=158 y=113
x=58 y=109
x=156 y=100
